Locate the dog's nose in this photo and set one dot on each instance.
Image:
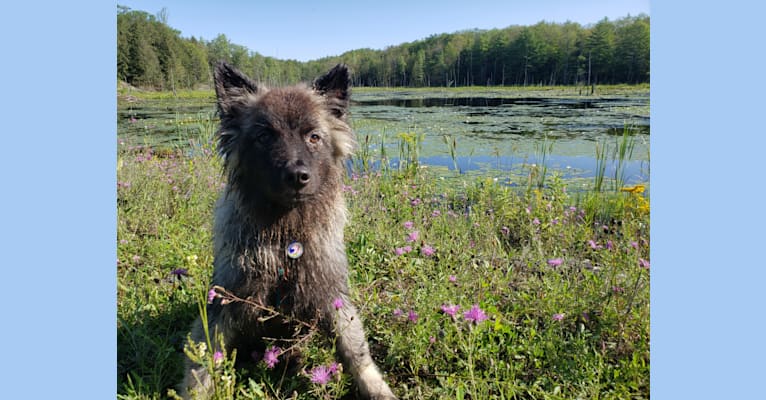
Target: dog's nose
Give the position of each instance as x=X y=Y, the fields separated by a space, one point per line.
x=298 y=177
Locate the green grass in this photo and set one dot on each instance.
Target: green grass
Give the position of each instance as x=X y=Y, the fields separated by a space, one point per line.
x=492 y=247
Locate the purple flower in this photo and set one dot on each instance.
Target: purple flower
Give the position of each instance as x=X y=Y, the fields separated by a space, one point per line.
x=427 y=251
x=320 y=375
x=475 y=314
x=415 y=202
x=211 y=294
x=136 y=258
x=436 y=213
x=397 y=312
x=555 y=262
x=412 y=316
x=634 y=245
x=413 y=236
x=617 y=289
x=609 y=245
x=555 y=221
x=270 y=357
x=402 y=250
x=432 y=339
x=217 y=357
x=450 y=310
x=558 y=317
x=593 y=245
x=408 y=224
x=180 y=272
x=505 y=231
x=536 y=221
x=452 y=278
x=643 y=263
x=338 y=303
x=333 y=368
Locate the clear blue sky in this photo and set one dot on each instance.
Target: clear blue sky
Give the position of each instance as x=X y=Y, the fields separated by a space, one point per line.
x=307 y=30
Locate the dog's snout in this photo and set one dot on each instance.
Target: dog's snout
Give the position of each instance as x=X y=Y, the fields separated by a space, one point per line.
x=299 y=176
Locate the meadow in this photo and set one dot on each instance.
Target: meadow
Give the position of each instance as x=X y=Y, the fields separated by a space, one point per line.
x=469 y=287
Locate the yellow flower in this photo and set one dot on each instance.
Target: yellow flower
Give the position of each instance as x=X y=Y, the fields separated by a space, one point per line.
x=633 y=189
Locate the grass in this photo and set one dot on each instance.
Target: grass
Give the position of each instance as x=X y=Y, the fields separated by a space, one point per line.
x=563 y=279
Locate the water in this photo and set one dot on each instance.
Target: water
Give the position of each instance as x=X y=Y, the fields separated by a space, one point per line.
x=495 y=131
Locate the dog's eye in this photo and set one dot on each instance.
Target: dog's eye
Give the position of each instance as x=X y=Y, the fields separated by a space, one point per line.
x=314 y=138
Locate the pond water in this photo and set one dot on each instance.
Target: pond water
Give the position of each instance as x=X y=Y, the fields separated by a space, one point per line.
x=495 y=132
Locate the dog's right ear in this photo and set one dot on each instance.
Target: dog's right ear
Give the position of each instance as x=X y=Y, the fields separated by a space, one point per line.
x=231 y=87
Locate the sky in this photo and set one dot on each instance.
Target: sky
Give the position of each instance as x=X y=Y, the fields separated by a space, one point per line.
x=308 y=30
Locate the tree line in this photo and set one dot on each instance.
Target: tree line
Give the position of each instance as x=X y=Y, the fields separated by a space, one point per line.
x=151 y=54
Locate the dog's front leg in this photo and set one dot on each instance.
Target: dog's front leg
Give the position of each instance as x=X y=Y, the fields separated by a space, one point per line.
x=355 y=353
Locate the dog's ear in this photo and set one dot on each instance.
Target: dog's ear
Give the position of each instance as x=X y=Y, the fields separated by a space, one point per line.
x=335 y=86
x=231 y=86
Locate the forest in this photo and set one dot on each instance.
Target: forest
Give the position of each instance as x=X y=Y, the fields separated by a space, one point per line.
x=153 y=55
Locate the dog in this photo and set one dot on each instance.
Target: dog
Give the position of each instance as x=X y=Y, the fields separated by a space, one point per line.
x=278 y=229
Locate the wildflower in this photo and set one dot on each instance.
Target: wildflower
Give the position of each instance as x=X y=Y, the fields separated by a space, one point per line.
x=643 y=263
x=595 y=246
x=408 y=224
x=123 y=241
x=217 y=357
x=334 y=368
x=634 y=245
x=270 y=357
x=136 y=258
x=320 y=375
x=555 y=262
x=427 y=251
x=436 y=213
x=555 y=221
x=528 y=210
x=413 y=236
x=475 y=315
x=452 y=278
x=211 y=294
x=558 y=317
x=633 y=189
x=412 y=316
x=399 y=251
x=180 y=272
x=536 y=221
x=573 y=209
x=415 y=202
x=609 y=245
x=432 y=339
x=338 y=303
x=450 y=310
x=397 y=312
x=617 y=289
x=505 y=231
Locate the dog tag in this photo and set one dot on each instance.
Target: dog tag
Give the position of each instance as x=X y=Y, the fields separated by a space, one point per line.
x=294 y=250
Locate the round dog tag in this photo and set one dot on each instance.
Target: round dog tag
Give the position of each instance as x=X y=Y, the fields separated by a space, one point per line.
x=294 y=250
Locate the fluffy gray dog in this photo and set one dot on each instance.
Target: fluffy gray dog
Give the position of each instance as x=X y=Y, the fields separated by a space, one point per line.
x=278 y=234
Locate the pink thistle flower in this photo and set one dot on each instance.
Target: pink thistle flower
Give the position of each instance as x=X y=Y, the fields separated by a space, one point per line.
x=217 y=357
x=427 y=251
x=436 y=213
x=136 y=258
x=413 y=236
x=334 y=368
x=338 y=303
x=555 y=262
x=536 y=221
x=595 y=246
x=432 y=339
x=450 y=310
x=408 y=224
x=271 y=356
x=412 y=316
x=397 y=312
x=452 y=278
x=609 y=245
x=399 y=251
x=634 y=245
x=211 y=294
x=475 y=315
x=558 y=317
x=415 y=202
x=643 y=263
x=320 y=375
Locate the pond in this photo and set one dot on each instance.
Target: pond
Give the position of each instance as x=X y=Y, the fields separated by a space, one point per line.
x=497 y=132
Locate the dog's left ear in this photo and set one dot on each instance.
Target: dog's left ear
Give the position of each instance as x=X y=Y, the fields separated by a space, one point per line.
x=335 y=86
